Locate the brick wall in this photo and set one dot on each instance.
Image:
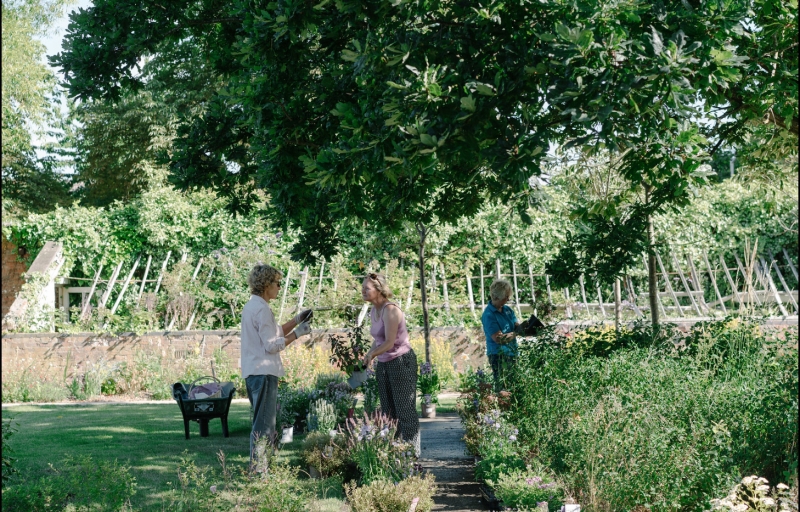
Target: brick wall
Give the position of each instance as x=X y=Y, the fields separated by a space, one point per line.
x=12 y=270
x=47 y=354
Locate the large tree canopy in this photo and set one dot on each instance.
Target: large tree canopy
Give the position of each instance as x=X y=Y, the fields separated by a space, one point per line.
x=414 y=110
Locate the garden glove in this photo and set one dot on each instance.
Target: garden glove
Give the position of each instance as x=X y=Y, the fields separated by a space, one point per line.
x=303 y=316
x=302 y=329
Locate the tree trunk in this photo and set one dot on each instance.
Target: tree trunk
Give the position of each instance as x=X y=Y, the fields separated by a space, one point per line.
x=652 y=281
x=426 y=327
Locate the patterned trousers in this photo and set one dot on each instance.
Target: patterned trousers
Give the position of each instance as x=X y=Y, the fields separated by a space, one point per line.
x=397 y=388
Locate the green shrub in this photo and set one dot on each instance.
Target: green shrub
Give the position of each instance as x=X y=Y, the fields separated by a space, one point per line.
x=325 y=454
x=8 y=459
x=202 y=490
x=527 y=488
x=386 y=496
x=669 y=429
x=80 y=482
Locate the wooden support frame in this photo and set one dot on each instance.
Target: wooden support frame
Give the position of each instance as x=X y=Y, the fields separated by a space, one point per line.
x=163 y=270
x=111 y=283
x=783 y=282
x=685 y=284
x=125 y=285
x=714 y=283
x=791 y=265
x=697 y=284
x=516 y=288
x=85 y=309
x=285 y=290
x=772 y=287
x=600 y=300
x=469 y=291
x=748 y=281
x=533 y=288
x=669 y=285
x=583 y=296
x=444 y=290
x=483 y=299
x=144 y=278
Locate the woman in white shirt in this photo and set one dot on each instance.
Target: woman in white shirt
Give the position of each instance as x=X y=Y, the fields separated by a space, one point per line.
x=262 y=341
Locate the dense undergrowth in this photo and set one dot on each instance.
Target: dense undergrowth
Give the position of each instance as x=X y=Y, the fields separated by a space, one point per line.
x=666 y=420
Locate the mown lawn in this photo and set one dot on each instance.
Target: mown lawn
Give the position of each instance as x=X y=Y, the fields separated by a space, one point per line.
x=147 y=437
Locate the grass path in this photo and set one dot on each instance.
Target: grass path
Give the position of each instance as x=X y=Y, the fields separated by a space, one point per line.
x=147 y=437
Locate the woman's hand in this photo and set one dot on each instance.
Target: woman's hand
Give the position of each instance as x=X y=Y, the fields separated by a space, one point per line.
x=368 y=359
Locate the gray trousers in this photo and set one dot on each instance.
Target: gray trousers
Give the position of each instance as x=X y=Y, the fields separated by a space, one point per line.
x=397 y=388
x=262 y=390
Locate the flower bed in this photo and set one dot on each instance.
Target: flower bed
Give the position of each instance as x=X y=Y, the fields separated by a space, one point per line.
x=662 y=421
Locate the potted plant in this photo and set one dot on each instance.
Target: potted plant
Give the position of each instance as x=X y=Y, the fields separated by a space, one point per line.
x=348 y=352
x=429 y=387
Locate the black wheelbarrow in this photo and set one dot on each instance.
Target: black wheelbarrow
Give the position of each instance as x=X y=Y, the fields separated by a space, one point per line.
x=202 y=410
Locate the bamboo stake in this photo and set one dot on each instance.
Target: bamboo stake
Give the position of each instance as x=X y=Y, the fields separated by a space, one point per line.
x=714 y=283
x=163 y=269
x=483 y=298
x=783 y=282
x=469 y=292
x=549 y=293
x=516 y=287
x=321 y=273
x=696 y=284
x=685 y=284
x=669 y=285
x=85 y=309
x=497 y=268
x=583 y=296
x=303 y=282
x=617 y=302
x=533 y=289
x=567 y=304
x=791 y=265
x=773 y=288
x=285 y=289
x=444 y=290
x=632 y=297
x=410 y=291
x=731 y=282
x=747 y=277
x=125 y=285
x=144 y=279
x=600 y=299
x=111 y=283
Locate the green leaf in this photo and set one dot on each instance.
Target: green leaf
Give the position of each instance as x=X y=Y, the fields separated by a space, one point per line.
x=468 y=103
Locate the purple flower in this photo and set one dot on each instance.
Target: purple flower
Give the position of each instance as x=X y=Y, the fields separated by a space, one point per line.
x=512 y=437
x=533 y=481
x=425 y=369
x=479 y=373
x=279 y=234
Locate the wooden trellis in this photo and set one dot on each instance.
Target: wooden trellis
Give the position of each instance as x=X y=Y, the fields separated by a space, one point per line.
x=687 y=288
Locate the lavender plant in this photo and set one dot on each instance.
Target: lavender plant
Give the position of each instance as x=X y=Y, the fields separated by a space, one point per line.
x=372 y=446
x=428 y=383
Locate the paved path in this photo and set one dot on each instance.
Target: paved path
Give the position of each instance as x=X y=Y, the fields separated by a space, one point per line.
x=444 y=455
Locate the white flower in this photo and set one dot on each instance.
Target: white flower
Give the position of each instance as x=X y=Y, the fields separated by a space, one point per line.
x=768 y=502
x=213 y=489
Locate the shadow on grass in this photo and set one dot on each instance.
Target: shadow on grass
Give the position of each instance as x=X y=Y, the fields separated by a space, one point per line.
x=148 y=437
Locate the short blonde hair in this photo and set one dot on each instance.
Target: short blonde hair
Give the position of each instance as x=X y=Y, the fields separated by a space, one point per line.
x=500 y=289
x=262 y=276
x=379 y=280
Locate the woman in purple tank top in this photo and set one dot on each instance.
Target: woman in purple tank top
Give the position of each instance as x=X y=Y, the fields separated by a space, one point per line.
x=396 y=370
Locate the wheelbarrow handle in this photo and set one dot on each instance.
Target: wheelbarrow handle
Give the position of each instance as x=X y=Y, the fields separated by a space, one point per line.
x=192 y=385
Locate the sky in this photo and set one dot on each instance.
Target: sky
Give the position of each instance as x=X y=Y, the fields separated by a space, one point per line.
x=53 y=40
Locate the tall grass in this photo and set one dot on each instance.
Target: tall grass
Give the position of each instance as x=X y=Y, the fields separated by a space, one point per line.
x=665 y=421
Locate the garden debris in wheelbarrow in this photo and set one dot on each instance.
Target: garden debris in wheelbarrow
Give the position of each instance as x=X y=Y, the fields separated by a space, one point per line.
x=202 y=403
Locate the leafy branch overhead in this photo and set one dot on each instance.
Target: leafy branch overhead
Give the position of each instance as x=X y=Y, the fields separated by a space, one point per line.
x=409 y=111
